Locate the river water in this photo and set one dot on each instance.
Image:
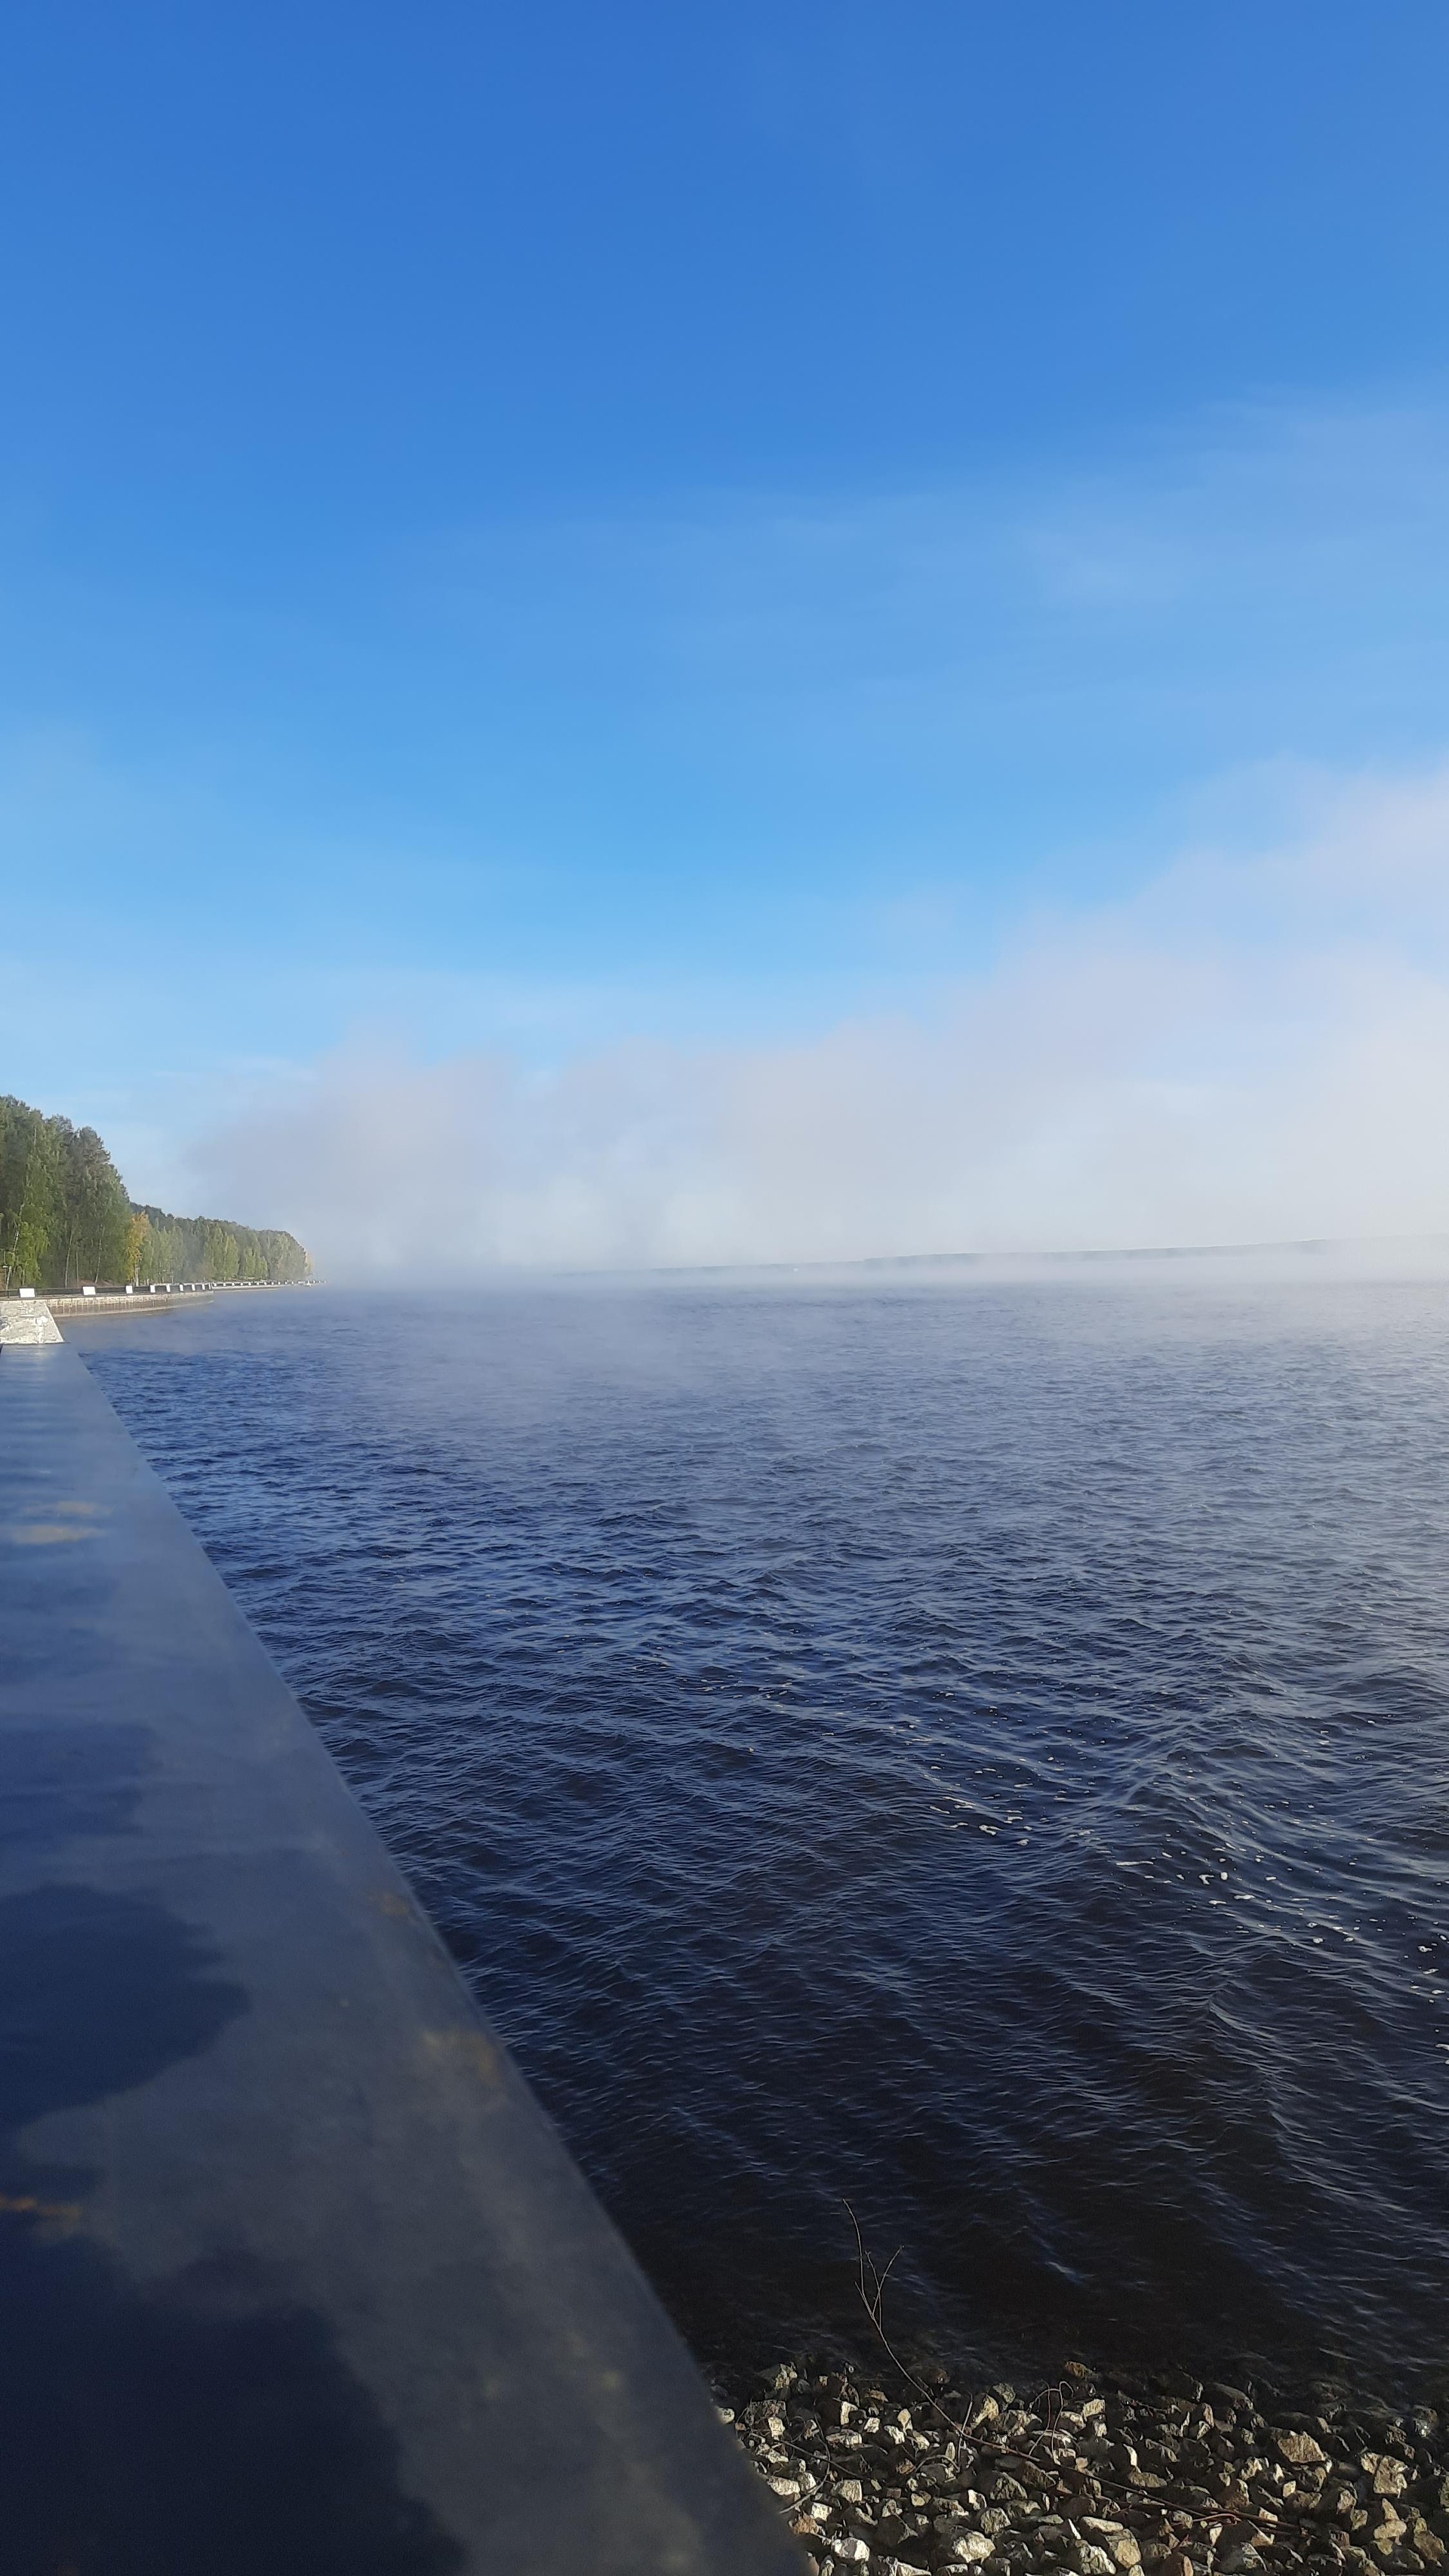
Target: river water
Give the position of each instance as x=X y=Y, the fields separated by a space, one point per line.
x=975 y=1752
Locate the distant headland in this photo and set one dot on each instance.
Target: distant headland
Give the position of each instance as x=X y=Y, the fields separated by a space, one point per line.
x=66 y=1217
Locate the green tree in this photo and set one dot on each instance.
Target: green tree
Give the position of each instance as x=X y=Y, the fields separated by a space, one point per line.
x=98 y=1212
x=65 y=1219
x=32 y=1195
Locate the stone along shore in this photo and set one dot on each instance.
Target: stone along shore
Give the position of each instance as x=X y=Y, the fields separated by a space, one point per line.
x=1094 y=2476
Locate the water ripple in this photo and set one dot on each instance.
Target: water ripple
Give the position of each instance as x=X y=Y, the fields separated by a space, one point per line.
x=979 y=1752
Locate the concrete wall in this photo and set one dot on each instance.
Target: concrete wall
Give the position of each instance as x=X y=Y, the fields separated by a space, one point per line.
x=296 y=2279
x=27 y=1319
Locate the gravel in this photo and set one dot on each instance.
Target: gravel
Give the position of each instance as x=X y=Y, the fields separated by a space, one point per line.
x=1100 y=2476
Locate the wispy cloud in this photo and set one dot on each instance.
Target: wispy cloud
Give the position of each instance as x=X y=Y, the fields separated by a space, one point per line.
x=1288 y=559
x=707 y=843
x=1250 y=1049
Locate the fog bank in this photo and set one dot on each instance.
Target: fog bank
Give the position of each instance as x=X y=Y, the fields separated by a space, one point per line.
x=1254 y=1049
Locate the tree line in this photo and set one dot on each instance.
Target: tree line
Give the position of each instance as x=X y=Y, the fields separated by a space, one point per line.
x=213 y=1247
x=66 y=1218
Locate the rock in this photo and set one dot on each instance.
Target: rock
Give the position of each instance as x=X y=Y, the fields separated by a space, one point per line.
x=1122 y=2546
x=1300 y=2451
x=1349 y=2490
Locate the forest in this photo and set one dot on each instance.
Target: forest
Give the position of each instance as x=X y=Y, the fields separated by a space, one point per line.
x=66 y=1219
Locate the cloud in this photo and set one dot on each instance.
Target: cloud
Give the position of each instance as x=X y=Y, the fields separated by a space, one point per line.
x=1251 y=572
x=1252 y=1049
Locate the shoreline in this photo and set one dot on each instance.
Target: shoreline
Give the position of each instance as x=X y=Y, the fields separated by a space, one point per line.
x=1099 y=2473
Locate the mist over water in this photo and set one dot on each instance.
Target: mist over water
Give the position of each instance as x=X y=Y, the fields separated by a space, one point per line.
x=976 y=1750
x=1246 y=1050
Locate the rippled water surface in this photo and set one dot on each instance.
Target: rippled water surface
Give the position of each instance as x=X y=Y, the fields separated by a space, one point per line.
x=974 y=1751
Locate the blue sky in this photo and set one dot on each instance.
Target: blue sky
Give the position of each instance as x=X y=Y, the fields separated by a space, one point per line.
x=539 y=531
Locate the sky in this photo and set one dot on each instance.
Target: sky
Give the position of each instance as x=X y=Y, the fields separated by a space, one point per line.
x=771 y=632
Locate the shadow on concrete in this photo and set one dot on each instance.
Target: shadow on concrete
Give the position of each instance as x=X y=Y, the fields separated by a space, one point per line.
x=203 y=2426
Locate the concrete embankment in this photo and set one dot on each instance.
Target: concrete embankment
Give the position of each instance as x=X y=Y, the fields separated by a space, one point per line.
x=295 y=2274
x=27 y=1320
x=24 y=1319
x=75 y=1307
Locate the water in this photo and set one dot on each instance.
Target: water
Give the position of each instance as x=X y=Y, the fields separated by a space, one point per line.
x=978 y=1753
